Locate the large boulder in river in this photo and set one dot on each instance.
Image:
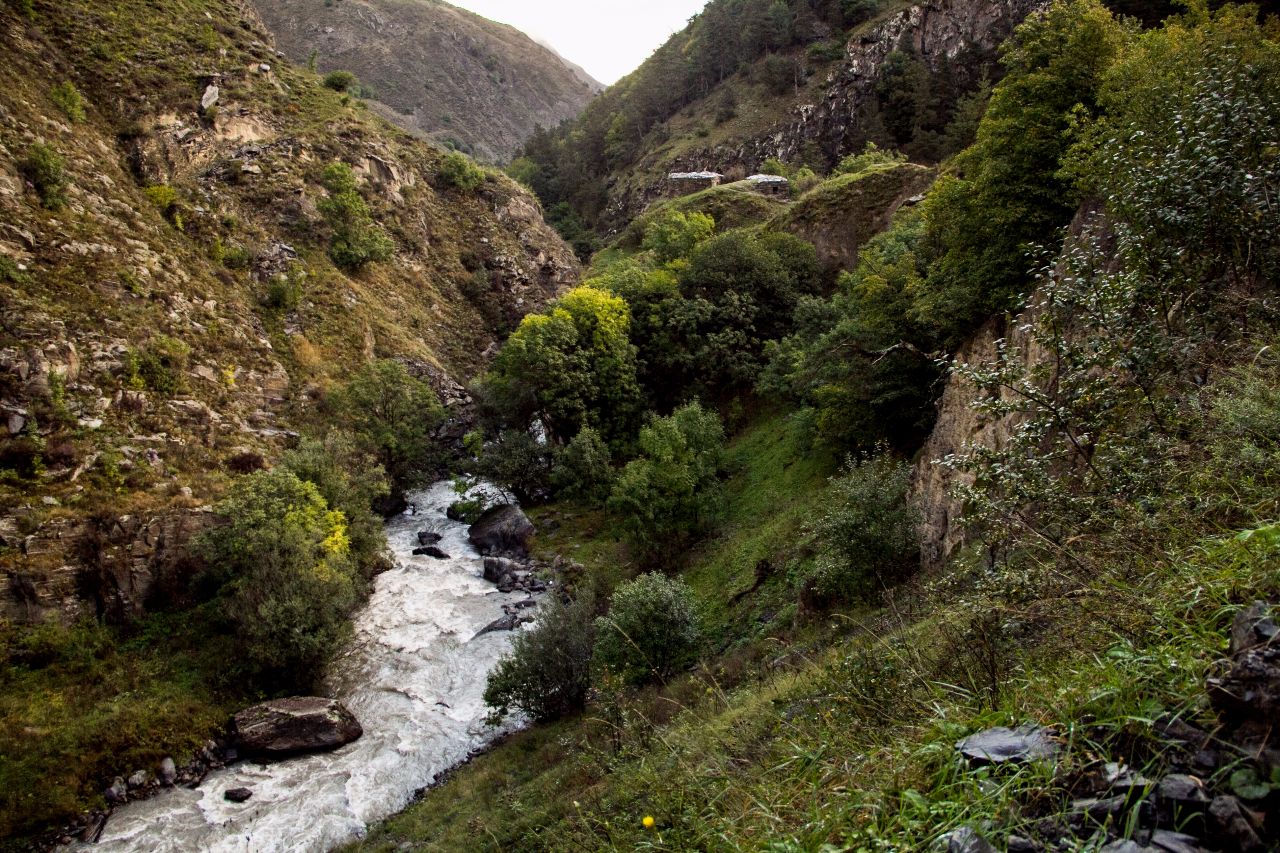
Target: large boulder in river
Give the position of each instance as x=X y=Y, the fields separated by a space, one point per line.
x=502 y=530
x=284 y=727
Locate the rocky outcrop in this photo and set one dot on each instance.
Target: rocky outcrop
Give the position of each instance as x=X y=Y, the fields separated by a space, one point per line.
x=962 y=425
x=285 y=727
x=502 y=530
x=841 y=215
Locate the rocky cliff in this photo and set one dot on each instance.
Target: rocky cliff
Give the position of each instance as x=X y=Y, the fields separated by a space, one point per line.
x=956 y=40
x=170 y=306
x=436 y=69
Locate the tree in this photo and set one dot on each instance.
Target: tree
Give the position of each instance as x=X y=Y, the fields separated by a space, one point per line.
x=357 y=239
x=281 y=561
x=651 y=630
x=547 y=673
x=676 y=234
x=44 y=168
x=341 y=81
x=518 y=463
x=460 y=172
x=578 y=365
x=352 y=481
x=394 y=417
x=672 y=490
x=584 y=468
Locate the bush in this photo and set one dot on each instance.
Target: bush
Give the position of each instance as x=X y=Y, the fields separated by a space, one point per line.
x=394 y=417
x=69 y=100
x=237 y=258
x=519 y=464
x=677 y=234
x=282 y=564
x=584 y=468
x=12 y=273
x=867 y=535
x=460 y=172
x=352 y=481
x=872 y=157
x=161 y=365
x=357 y=239
x=285 y=290
x=44 y=168
x=164 y=197
x=547 y=674
x=650 y=631
x=341 y=81
x=671 y=491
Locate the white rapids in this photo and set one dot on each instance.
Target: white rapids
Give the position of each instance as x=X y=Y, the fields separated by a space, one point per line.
x=414 y=677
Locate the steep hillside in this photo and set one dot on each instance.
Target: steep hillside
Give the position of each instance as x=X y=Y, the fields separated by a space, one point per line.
x=806 y=84
x=181 y=306
x=436 y=69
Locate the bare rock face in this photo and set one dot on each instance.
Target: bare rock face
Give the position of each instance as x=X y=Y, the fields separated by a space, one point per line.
x=502 y=530
x=285 y=727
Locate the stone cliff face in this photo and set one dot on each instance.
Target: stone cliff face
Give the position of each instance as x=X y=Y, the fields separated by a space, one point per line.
x=959 y=36
x=961 y=426
x=142 y=355
x=437 y=69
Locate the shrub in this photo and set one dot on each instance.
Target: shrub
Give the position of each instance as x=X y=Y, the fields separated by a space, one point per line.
x=394 y=416
x=671 y=491
x=12 y=273
x=350 y=480
x=677 y=234
x=163 y=196
x=237 y=258
x=867 y=533
x=650 y=631
x=285 y=290
x=69 y=100
x=357 y=239
x=45 y=169
x=460 y=172
x=519 y=464
x=584 y=468
x=281 y=560
x=161 y=364
x=547 y=674
x=872 y=157
x=341 y=81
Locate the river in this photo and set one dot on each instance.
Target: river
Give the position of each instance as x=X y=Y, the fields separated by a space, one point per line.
x=414 y=677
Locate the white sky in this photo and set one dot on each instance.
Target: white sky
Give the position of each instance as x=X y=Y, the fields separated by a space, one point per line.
x=609 y=38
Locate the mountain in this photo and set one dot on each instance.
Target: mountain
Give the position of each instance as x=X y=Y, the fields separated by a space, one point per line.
x=435 y=69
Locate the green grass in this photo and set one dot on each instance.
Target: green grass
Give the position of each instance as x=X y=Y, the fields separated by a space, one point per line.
x=735 y=205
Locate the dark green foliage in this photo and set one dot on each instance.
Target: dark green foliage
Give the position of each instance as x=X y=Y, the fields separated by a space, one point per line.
x=859 y=360
x=350 y=480
x=161 y=365
x=677 y=234
x=44 y=168
x=69 y=100
x=518 y=463
x=394 y=417
x=584 y=468
x=651 y=630
x=341 y=81
x=284 y=291
x=10 y=271
x=357 y=239
x=571 y=367
x=1005 y=195
x=547 y=674
x=867 y=532
x=460 y=172
x=282 y=565
x=671 y=491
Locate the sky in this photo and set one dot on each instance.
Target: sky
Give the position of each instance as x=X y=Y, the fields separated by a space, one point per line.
x=609 y=38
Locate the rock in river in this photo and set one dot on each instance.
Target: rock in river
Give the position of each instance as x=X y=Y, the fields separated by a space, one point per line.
x=285 y=727
x=502 y=530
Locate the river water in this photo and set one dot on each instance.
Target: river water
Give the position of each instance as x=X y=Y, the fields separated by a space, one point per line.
x=414 y=677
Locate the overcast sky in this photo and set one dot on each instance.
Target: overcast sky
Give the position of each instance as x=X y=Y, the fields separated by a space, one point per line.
x=609 y=38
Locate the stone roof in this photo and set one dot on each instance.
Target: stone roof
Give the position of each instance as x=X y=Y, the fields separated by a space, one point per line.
x=693 y=176
x=767 y=179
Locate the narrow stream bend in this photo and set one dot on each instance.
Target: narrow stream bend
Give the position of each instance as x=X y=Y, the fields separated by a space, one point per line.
x=414 y=677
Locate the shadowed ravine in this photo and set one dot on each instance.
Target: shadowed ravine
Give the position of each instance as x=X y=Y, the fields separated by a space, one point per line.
x=412 y=675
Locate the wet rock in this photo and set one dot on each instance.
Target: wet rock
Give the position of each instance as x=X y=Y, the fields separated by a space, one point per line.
x=496 y=568
x=139 y=780
x=1252 y=627
x=1123 y=846
x=507 y=583
x=1233 y=822
x=967 y=840
x=95 y=822
x=117 y=793
x=1175 y=842
x=507 y=622
x=1018 y=844
x=168 y=772
x=999 y=745
x=1098 y=811
x=286 y=727
x=428 y=537
x=237 y=795
x=431 y=551
x=1247 y=688
x=502 y=530
x=1183 y=800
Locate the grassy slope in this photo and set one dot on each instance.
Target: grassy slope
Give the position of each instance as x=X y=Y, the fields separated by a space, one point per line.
x=840 y=729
